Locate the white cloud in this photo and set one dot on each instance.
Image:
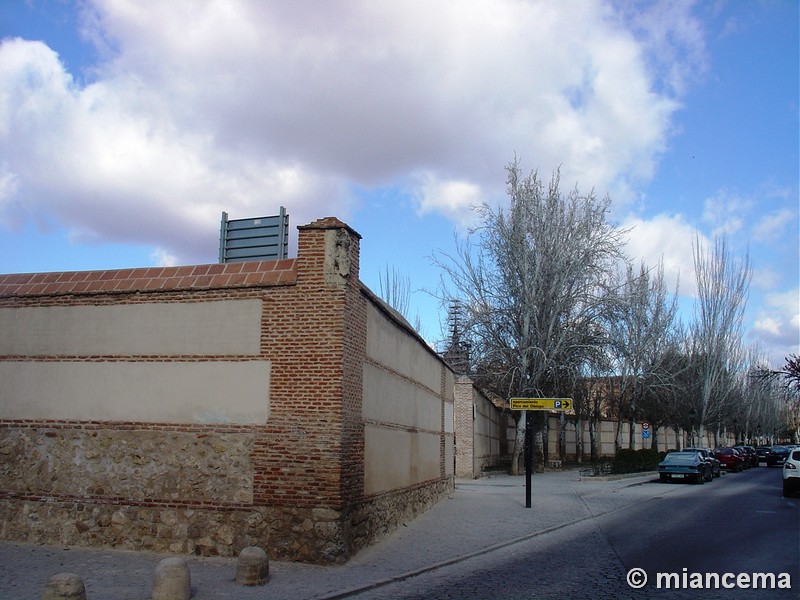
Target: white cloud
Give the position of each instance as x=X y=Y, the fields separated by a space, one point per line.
x=777 y=325
x=771 y=226
x=200 y=107
x=163 y=258
x=669 y=238
x=9 y=184
x=454 y=199
x=726 y=213
x=110 y=169
x=765 y=278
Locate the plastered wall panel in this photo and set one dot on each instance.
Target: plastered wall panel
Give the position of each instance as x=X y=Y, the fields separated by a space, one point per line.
x=389 y=345
x=228 y=327
x=153 y=392
x=392 y=399
x=395 y=459
x=449 y=418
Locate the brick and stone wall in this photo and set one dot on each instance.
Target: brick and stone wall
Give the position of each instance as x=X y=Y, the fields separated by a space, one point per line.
x=202 y=409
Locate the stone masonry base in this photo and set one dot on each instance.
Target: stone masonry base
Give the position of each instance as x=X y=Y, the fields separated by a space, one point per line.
x=313 y=535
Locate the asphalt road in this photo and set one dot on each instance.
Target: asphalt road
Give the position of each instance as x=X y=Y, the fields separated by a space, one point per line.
x=738 y=524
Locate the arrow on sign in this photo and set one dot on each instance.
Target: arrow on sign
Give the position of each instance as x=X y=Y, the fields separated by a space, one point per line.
x=540 y=403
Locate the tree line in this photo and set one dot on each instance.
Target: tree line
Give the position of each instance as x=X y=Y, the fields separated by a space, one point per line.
x=550 y=305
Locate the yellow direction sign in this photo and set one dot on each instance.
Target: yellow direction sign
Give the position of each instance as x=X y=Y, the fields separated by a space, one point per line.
x=541 y=403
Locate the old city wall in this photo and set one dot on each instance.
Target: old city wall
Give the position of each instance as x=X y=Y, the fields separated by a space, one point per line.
x=196 y=409
x=666 y=437
x=408 y=420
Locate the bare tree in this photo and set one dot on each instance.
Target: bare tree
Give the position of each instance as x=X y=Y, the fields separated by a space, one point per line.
x=395 y=289
x=669 y=403
x=668 y=384
x=531 y=280
x=716 y=332
x=783 y=384
x=642 y=319
x=788 y=375
x=594 y=393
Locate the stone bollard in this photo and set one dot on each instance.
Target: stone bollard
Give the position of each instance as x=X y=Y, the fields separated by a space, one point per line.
x=171 y=581
x=252 y=568
x=64 y=586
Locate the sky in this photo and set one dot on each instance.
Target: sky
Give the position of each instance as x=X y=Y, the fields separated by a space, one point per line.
x=128 y=126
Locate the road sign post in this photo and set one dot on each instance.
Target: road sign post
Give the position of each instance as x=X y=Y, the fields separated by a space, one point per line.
x=528 y=456
x=528 y=405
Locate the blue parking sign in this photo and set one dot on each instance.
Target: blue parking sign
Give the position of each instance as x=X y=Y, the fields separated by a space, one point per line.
x=645 y=434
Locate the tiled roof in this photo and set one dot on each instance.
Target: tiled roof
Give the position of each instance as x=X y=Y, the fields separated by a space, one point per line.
x=193 y=277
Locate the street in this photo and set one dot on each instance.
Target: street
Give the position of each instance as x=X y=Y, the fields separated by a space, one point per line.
x=738 y=524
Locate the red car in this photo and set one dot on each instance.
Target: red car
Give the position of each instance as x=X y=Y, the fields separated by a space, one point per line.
x=729 y=459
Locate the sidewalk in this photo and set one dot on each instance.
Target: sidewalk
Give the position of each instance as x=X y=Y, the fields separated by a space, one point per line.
x=479 y=516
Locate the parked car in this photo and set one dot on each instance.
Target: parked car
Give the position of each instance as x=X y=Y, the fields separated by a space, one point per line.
x=729 y=459
x=777 y=455
x=762 y=452
x=791 y=473
x=746 y=464
x=708 y=456
x=749 y=454
x=684 y=466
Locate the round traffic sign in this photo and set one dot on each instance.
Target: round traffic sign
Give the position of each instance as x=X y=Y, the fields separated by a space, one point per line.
x=645 y=425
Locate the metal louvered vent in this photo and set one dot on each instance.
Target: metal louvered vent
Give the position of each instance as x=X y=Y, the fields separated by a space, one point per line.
x=260 y=238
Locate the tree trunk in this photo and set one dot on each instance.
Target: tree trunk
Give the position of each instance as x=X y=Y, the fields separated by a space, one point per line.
x=632 y=433
x=539 y=436
x=618 y=435
x=519 y=447
x=539 y=451
x=701 y=432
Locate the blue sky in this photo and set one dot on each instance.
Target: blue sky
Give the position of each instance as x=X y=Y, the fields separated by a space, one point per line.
x=127 y=127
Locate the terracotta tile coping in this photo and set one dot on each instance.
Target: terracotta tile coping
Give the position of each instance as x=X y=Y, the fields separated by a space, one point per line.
x=146 y=279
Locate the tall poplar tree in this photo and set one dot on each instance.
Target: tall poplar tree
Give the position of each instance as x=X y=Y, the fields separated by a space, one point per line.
x=531 y=279
x=716 y=332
